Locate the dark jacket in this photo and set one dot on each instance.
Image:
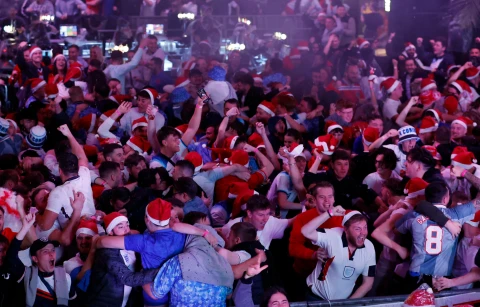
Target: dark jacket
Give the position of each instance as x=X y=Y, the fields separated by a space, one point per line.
x=346 y=190
x=29 y=70
x=440 y=74
x=109 y=274
x=253 y=98
x=12 y=293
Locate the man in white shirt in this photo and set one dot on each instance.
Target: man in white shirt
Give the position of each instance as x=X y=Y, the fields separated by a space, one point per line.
x=349 y=255
x=258 y=214
x=385 y=163
x=75 y=175
x=394 y=91
x=152 y=51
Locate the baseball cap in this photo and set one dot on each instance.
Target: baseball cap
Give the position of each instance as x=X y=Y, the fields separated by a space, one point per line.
x=41 y=243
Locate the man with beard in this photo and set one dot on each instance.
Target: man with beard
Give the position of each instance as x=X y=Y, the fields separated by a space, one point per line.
x=79 y=266
x=412 y=75
x=349 y=87
x=349 y=252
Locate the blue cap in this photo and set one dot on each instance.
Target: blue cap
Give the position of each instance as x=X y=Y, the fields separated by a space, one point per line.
x=179 y=94
x=275 y=78
x=36 y=137
x=217 y=73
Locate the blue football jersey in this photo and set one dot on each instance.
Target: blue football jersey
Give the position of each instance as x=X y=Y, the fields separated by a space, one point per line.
x=434 y=247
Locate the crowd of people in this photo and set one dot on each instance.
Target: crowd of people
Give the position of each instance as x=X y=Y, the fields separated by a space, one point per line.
x=319 y=178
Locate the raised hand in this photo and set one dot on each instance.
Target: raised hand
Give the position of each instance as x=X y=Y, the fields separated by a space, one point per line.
x=233 y=112
x=392 y=133
x=65 y=130
x=255 y=269
x=260 y=128
x=419 y=41
x=338 y=211
x=77 y=201
x=125 y=107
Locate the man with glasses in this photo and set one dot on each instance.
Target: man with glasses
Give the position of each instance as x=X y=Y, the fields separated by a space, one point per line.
x=385 y=163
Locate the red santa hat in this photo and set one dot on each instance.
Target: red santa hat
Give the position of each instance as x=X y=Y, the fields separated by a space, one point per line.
x=196 y=160
x=451 y=104
x=369 y=135
x=36 y=84
x=230 y=142
x=112 y=220
x=139 y=144
x=257 y=78
x=120 y=98
x=461 y=86
x=87 y=122
x=90 y=150
x=436 y=115
x=182 y=81
x=429 y=96
x=472 y=73
x=139 y=122
x=294 y=54
x=256 y=140
x=361 y=43
x=51 y=90
x=427 y=84
x=239 y=157
x=331 y=125
x=428 y=124
x=390 y=84
x=188 y=65
x=182 y=128
x=296 y=150
x=236 y=189
x=152 y=93
x=465 y=122
x=239 y=204
x=433 y=151
x=268 y=107
x=326 y=144
x=457 y=150
x=422 y=297
x=409 y=46
x=32 y=50
x=57 y=57
x=87 y=227
x=158 y=212
x=303 y=46
x=74 y=73
x=415 y=187
x=464 y=160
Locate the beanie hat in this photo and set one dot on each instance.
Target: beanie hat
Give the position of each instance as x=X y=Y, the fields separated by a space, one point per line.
x=428 y=124
x=349 y=215
x=451 y=104
x=464 y=160
x=230 y=142
x=36 y=84
x=32 y=50
x=407 y=133
x=139 y=122
x=331 y=125
x=429 y=96
x=427 y=84
x=361 y=42
x=119 y=98
x=274 y=78
x=433 y=151
x=158 y=212
x=294 y=54
x=217 y=73
x=74 y=73
x=390 y=84
x=36 y=137
x=472 y=73
x=181 y=81
x=256 y=140
x=87 y=122
x=326 y=144
x=457 y=150
x=152 y=93
x=182 y=128
x=464 y=121
x=139 y=144
x=196 y=160
x=303 y=46
x=4 y=125
x=369 y=135
x=180 y=94
x=87 y=227
x=51 y=90
x=240 y=157
x=409 y=46
x=112 y=220
x=422 y=297
x=268 y=107
x=415 y=187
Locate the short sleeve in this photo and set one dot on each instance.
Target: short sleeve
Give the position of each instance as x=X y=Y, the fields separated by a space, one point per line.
x=370 y=263
x=242 y=256
x=390 y=110
x=283 y=184
x=56 y=200
x=323 y=236
x=84 y=174
x=276 y=227
x=135 y=243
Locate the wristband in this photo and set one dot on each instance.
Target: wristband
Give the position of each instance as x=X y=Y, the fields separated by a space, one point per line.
x=205 y=233
x=463 y=173
x=199 y=106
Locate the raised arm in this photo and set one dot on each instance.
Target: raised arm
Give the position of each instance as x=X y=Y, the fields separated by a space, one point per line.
x=77 y=149
x=462 y=173
x=296 y=178
x=378 y=142
x=151 y=128
x=104 y=129
x=401 y=118
x=267 y=166
x=223 y=127
x=268 y=146
x=194 y=123
x=309 y=230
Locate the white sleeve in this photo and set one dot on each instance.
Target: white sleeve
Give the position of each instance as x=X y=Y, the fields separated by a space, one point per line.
x=324 y=237
x=389 y=110
x=104 y=129
x=226 y=228
x=56 y=199
x=84 y=174
x=368 y=181
x=159 y=121
x=242 y=256
x=276 y=227
x=51 y=163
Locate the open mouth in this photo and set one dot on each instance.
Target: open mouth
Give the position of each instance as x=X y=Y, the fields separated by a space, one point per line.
x=52 y=262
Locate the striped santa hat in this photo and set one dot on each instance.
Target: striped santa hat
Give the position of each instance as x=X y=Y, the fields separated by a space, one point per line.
x=158 y=212
x=87 y=227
